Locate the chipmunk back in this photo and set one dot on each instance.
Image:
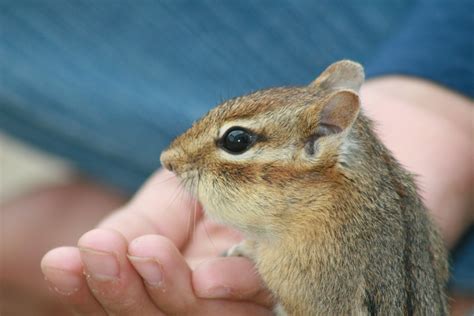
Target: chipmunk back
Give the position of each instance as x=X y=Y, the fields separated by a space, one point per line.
x=332 y=221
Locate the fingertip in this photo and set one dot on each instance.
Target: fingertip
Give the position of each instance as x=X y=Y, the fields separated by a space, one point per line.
x=151 y=245
x=234 y=273
x=103 y=254
x=153 y=255
x=233 y=278
x=102 y=239
x=149 y=254
x=65 y=258
x=165 y=271
x=62 y=270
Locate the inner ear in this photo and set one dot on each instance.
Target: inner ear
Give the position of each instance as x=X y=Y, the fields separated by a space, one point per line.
x=321 y=130
x=339 y=111
x=331 y=116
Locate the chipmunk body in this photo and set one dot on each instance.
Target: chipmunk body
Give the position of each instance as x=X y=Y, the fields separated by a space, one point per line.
x=333 y=223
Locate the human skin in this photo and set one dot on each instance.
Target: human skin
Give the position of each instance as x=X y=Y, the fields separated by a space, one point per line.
x=143 y=236
x=427 y=127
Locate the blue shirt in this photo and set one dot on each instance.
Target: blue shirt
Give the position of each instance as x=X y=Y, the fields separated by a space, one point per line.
x=435 y=42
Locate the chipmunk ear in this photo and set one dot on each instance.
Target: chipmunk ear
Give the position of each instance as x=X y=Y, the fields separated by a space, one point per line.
x=331 y=115
x=344 y=74
x=339 y=110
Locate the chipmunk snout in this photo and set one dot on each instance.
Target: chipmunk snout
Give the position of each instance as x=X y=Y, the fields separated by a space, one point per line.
x=167 y=158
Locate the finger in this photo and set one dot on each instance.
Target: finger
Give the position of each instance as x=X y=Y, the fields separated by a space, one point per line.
x=110 y=277
x=162 y=207
x=217 y=279
x=62 y=268
x=166 y=273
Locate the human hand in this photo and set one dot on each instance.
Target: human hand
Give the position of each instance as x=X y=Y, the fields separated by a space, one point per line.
x=156 y=256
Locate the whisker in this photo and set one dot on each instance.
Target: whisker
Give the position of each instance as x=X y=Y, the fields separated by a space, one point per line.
x=170 y=177
x=193 y=212
x=190 y=222
x=191 y=225
x=204 y=223
x=195 y=205
x=209 y=237
x=179 y=189
x=181 y=196
x=195 y=215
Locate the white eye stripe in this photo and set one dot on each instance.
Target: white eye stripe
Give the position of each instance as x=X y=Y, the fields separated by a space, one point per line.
x=248 y=155
x=262 y=155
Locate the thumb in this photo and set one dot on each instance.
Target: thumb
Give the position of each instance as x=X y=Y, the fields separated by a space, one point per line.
x=161 y=207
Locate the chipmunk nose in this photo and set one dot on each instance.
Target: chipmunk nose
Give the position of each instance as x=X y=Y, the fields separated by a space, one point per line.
x=167 y=159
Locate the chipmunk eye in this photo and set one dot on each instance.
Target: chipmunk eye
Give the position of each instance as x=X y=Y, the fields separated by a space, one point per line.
x=236 y=140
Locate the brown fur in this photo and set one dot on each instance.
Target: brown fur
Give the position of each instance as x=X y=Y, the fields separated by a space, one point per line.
x=335 y=224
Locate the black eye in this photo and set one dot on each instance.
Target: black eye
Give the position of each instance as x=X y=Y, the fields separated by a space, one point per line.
x=236 y=140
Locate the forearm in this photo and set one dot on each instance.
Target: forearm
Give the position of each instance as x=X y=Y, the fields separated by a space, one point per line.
x=429 y=129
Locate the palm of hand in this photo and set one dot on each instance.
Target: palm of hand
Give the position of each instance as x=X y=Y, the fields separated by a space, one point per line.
x=163 y=227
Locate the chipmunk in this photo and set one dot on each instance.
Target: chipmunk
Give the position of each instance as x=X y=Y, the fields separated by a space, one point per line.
x=333 y=222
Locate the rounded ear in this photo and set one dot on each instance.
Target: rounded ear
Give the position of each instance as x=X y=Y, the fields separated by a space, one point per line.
x=333 y=114
x=340 y=109
x=344 y=74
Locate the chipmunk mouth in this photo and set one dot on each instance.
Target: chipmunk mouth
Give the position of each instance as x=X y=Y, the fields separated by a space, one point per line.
x=192 y=181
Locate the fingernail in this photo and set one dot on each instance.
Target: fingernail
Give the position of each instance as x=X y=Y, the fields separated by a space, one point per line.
x=100 y=265
x=61 y=281
x=150 y=270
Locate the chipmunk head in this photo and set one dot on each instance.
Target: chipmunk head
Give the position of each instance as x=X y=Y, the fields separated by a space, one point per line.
x=253 y=160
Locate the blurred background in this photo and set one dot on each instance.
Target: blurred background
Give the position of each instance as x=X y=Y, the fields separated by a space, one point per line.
x=25 y=168
x=92 y=91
